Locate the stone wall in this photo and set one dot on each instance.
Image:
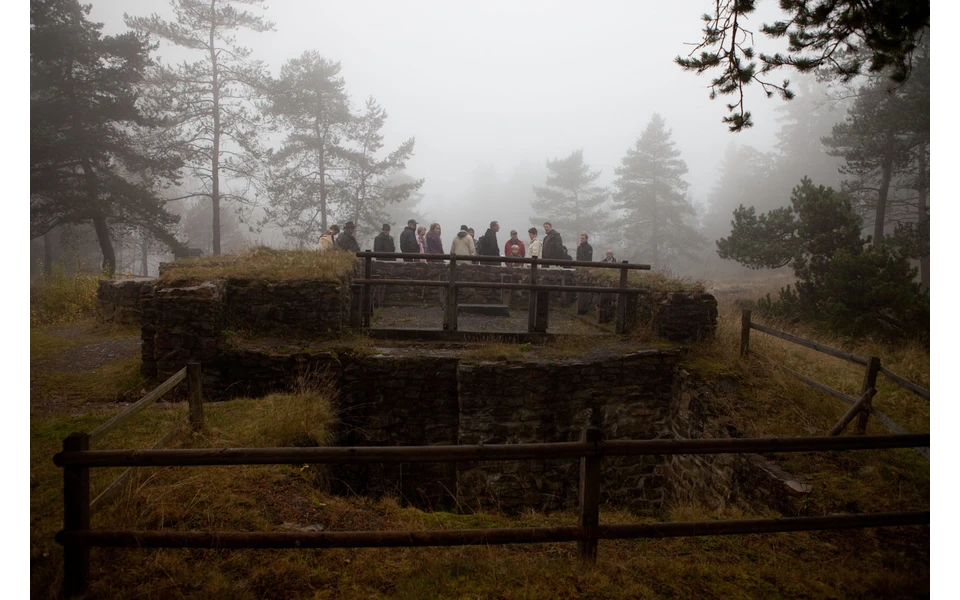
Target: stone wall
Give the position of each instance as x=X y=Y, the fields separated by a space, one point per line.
x=118 y=300
x=720 y=480
x=503 y=403
x=398 y=401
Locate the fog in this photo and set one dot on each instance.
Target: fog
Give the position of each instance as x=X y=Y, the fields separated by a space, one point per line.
x=498 y=88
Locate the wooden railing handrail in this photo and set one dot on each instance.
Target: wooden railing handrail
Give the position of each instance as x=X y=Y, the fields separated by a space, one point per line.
x=904 y=383
x=472 y=537
x=543 y=262
x=502 y=285
x=484 y=452
x=139 y=405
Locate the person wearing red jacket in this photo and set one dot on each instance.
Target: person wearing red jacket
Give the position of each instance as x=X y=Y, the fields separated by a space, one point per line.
x=514 y=241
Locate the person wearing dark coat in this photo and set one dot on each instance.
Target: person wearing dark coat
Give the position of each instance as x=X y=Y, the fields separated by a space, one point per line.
x=408 y=240
x=488 y=245
x=384 y=241
x=347 y=241
x=434 y=243
x=584 y=250
x=552 y=243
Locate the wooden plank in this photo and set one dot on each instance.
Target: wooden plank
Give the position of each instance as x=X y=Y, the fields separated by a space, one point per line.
x=113 y=490
x=139 y=405
x=485 y=452
x=812 y=345
x=76 y=516
x=532 y=298
x=811 y=382
x=853 y=412
x=471 y=537
x=510 y=259
x=621 y=325
x=590 y=495
x=410 y=282
x=916 y=389
x=744 y=333
x=550 y=288
x=869 y=383
x=923 y=450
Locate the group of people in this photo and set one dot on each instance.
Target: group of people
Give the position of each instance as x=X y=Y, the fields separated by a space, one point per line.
x=416 y=239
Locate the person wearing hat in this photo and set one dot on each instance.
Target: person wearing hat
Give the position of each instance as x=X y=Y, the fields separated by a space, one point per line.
x=408 y=240
x=463 y=243
x=347 y=240
x=384 y=241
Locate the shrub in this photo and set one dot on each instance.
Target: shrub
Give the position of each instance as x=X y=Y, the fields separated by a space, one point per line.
x=62 y=298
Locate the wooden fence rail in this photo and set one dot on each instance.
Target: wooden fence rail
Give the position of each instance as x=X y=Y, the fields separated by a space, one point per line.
x=190 y=373
x=862 y=407
x=77 y=537
x=361 y=307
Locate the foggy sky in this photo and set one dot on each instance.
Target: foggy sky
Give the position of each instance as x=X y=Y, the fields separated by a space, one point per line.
x=503 y=83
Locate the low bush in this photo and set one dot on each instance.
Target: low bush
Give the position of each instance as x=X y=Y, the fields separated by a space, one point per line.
x=62 y=298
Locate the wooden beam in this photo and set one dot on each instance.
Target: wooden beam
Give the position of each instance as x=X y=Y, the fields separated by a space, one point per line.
x=139 y=405
x=812 y=345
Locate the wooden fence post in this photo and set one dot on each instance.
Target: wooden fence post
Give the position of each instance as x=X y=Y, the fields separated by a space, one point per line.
x=543 y=312
x=366 y=297
x=76 y=516
x=195 y=397
x=590 y=495
x=744 y=333
x=450 y=312
x=869 y=382
x=583 y=302
x=532 y=295
x=621 y=325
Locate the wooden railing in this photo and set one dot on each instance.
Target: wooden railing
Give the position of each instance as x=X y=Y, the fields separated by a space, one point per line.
x=195 y=418
x=362 y=302
x=860 y=408
x=77 y=537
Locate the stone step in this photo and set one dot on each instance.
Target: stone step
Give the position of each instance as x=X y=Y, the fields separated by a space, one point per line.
x=486 y=309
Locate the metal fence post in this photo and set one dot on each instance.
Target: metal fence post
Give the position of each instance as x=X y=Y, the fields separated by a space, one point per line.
x=76 y=517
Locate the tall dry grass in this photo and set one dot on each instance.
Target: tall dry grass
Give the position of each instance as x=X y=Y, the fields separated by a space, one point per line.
x=262 y=263
x=61 y=298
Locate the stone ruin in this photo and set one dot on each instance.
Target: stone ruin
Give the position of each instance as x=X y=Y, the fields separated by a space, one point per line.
x=431 y=395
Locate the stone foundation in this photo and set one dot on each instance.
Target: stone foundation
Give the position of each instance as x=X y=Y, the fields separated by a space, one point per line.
x=721 y=480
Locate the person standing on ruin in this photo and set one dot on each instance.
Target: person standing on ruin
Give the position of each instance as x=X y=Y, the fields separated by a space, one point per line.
x=328 y=241
x=536 y=246
x=584 y=250
x=514 y=241
x=408 y=240
x=421 y=241
x=463 y=244
x=609 y=257
x=384 y=241
x=347 y=240
x=434 y=243
x=552 y=243
x=515 y=253
x=488 y=245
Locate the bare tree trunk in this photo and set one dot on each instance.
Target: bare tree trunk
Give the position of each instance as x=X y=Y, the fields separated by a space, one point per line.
x=48 y=253
x=215 y=165
x=886 y=174
x=106 y=246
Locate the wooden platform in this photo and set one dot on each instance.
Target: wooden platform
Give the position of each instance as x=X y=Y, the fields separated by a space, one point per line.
x=486 y=309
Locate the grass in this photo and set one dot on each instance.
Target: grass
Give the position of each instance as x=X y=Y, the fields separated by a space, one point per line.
x=261 y=263
x=61 y=298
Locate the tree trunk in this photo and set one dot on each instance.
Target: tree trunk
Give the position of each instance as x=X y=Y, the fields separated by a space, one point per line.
x=106 y=246
x=48 y=253
x=886 y=173
x=922 y=224
x=215 y=163
x=321 y=168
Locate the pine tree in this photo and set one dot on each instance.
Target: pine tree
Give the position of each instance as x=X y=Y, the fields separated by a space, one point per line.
x=651 y=191
x=366 y=188
x=211 y=98
x=89 y=159
x=570 y=200
x=311 y=105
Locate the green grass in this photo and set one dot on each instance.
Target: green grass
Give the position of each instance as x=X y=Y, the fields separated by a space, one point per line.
x=263 y=264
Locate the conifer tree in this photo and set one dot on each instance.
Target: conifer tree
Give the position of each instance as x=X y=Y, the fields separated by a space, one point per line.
x=570 y=200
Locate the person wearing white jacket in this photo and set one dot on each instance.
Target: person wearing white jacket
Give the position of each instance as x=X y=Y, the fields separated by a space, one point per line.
x=536 y=246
